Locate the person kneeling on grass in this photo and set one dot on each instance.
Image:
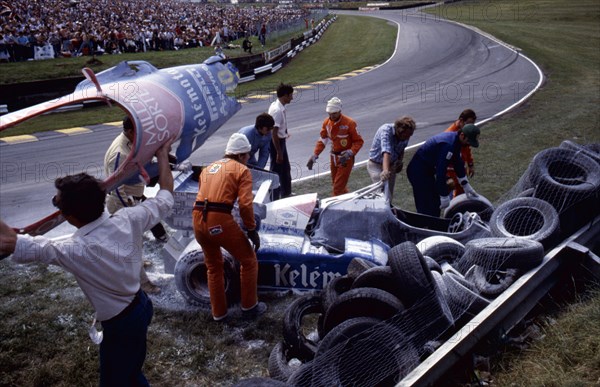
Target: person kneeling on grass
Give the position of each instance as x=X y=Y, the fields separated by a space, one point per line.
x=105 y=256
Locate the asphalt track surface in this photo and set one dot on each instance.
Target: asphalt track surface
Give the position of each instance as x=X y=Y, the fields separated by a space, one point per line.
x=438 y=69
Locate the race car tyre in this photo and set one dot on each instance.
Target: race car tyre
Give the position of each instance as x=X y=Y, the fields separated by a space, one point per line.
x=334 y=288
x=361 y=302
x=293 y=335
x=432 y=264
x=491 y=284
x=192 y=283
x=344 y=352
x=501 y=253
x=464 y=303
x=410 y=269
x=563 y=177
x=526 y=218
x=380 y=277
x=463 y=203
x=441 y=248
x=279 y=367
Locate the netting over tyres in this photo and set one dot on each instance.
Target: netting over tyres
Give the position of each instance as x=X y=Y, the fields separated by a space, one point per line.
x=379 y=323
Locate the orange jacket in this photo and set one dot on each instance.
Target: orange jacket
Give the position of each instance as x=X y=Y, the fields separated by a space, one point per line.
x=226 y=180
x=465 y=151
x=342 y=134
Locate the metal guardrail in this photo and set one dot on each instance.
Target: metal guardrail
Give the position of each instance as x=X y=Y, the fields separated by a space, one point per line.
x=512 y=305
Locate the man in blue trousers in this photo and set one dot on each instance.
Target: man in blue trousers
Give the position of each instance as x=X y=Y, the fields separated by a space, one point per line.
x=427 y=169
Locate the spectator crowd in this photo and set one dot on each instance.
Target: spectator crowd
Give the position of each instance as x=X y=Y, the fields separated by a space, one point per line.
x=80 y=27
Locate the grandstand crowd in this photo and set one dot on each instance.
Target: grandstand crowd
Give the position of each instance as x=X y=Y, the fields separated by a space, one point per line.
x=79 y=27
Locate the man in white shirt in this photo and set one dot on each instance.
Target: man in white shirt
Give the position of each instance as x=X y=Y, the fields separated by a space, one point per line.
x=105 y=256
x=280 y=161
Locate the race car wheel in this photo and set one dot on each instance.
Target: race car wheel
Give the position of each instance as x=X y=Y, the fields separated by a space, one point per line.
x=356 y=342
x=361 y=302
x=456 y=223
x=293 y=335
x=441 y=248
x=491 y=284
x=279 y=368
x=528 y=218
x=410 y=269
x=192 y=283
x=463 y=203
x=501 y=253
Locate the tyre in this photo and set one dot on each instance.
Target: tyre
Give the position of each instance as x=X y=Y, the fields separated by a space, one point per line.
x=364 y=352
x=361 y=302
x=412 y=274
x=192 y=283
x=441 y=248
x=259 y=382
x=335 y=288
x=432 y=264
x=462 y=203
x=293 y=335
x=279 y=368
x=380 y=277
x=563 y=177
x=464 y=303
x=590 y=150
x=491 y=284
x=526 y=218
x=501 y=253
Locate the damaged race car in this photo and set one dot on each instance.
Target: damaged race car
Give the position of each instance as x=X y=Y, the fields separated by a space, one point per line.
x=305 y=241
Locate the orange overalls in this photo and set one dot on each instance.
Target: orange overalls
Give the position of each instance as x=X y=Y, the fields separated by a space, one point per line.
x=343 y=135
x=221 y=183
x=466 y=156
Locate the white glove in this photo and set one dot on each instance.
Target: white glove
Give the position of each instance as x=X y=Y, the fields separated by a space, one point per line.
x=445 y=201
x=184 y=166
x=311 y=161
x=345 y=156
x=469 y=191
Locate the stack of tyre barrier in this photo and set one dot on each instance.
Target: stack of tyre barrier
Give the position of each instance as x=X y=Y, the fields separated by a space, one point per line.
x=374 y=325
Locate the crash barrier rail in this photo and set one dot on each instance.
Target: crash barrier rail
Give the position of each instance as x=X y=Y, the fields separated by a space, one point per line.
x=269 y=62
x=410 y=321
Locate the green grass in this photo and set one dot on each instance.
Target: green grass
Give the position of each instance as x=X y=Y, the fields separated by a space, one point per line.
x=185 y=348
x=346 y=34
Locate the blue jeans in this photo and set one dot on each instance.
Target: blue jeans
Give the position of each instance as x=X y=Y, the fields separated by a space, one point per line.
x=123 y=348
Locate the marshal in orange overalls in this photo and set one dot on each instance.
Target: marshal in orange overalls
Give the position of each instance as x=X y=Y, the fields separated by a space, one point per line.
x=343 y=135
x=221 y=183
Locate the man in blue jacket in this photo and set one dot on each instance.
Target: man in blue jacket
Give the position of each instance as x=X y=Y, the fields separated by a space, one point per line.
x=259 y=136
x=427 y=169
